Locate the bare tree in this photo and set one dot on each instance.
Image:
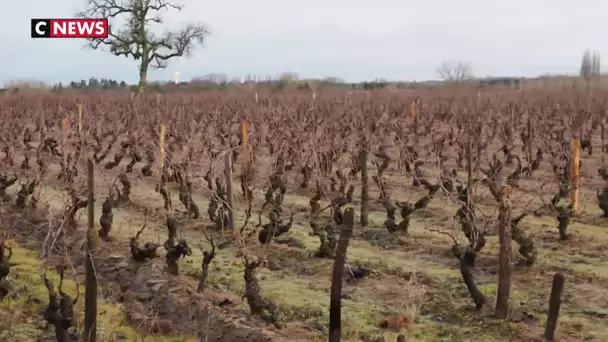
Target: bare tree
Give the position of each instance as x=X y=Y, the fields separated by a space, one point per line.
x=136 y=38
x=590 y=67
x=596 y=64
x=288 y=76
x=333 y=80
x=211 y=78
x=587 y=65
x=455 y=71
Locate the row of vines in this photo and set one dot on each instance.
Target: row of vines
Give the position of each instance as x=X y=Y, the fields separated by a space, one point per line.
x=177 y=177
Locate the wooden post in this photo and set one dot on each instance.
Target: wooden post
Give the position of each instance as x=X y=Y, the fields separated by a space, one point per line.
x=245 y=161
x=529 y=146
x=229 y=189
x=245 y=135
x=335 y=304
x=575 y=160
x=413 y=110
x=161 y=143
x=363 y=154
x=555 y=301
x=603 y=142
x=80 y=120
x=65 y=125
x=504 y=263
x=65 y=129
x=90 y=298
x=470 y=175
x=414 y=116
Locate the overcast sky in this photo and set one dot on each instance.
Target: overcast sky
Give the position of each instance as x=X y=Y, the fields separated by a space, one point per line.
x=352 y=39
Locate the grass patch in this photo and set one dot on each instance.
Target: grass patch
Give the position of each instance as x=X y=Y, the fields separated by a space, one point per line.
x=303 y=298
x=20 y=313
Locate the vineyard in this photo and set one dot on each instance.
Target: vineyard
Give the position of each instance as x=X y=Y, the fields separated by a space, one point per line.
x=427 y=216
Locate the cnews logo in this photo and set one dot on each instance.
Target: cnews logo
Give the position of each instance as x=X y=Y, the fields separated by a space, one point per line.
x=70 y=28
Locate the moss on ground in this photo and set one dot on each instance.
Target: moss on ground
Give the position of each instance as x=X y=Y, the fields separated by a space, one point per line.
x=419 y=265
x=20 y=318
x=444 y=310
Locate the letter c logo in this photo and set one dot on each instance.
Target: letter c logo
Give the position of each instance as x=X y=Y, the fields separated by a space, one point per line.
x=37 y=27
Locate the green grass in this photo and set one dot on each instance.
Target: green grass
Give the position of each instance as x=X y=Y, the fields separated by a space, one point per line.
x=20 y=313
x=432 y=291
x=306 y=298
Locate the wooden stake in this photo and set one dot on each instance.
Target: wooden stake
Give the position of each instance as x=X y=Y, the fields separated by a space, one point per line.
x=79 y=119
x=245 y=153
x=245 y=135
x=603 y=142
x=576 y=154
x=90 y=297
x=245 y=161
x=504 y=264
x=245 y=127
x=65 y=128
x=555 y=301
x=470 y=174
x=229 y=195
x=335 y=301
x=414 y=116
x=161 y=143
x=413 y=110
x=363 y=156
x=65 y=124
x=530 y=155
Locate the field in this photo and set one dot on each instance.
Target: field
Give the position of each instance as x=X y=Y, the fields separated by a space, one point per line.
x=409 y=162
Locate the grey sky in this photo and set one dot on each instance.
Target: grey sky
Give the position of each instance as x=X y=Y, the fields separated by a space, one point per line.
x=352 y=39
